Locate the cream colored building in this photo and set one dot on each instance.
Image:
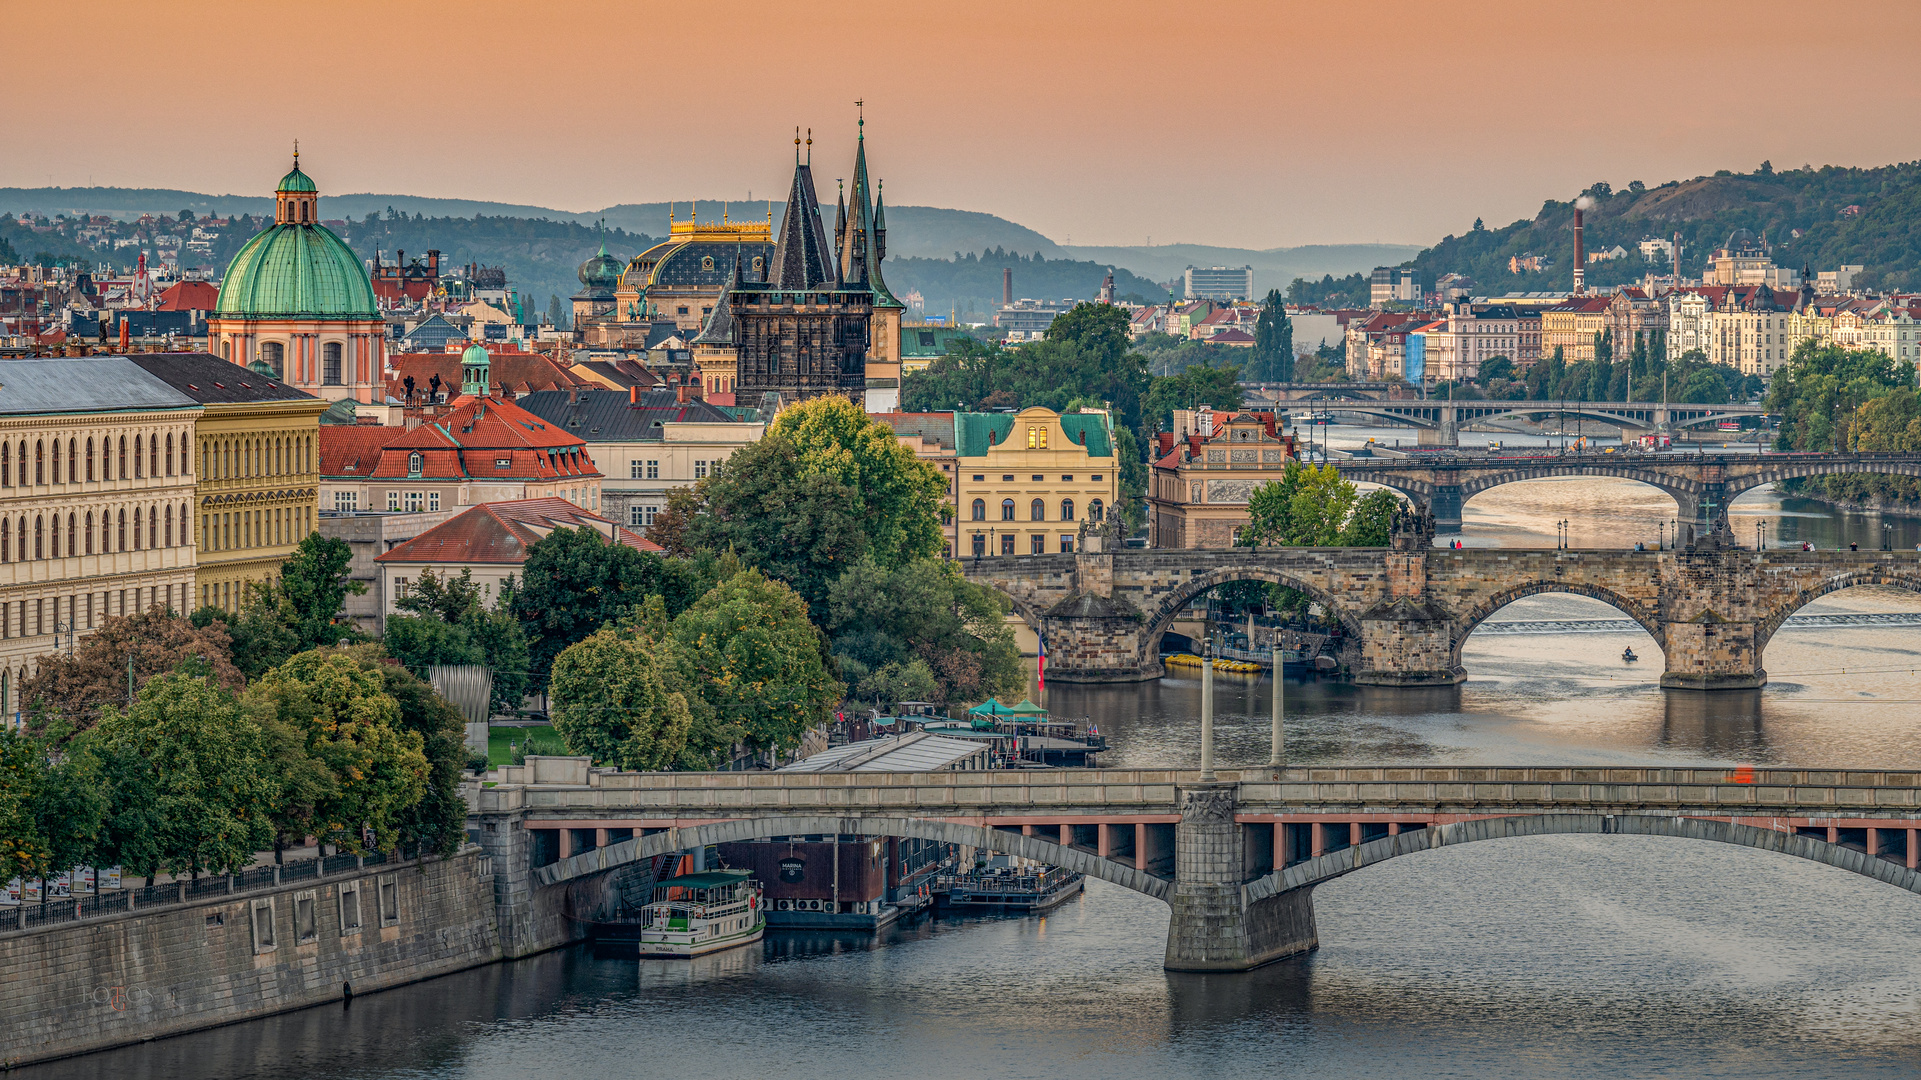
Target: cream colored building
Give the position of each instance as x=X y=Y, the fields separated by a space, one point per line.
x=96 y=490
x=1028 y=480
x=1890 y=329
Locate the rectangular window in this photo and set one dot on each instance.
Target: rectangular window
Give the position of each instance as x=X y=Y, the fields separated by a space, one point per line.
x=263 y=926
x=700 y=470
x=636 y=469
x=1096 y=478
x=350 y=908
x=1067 y=543
x=1007 y=544
x=1067 y=479
x=393 y=500
x=433 y=500
x=389 y=901
x=415 y=500
x=305 y=926
x=345 y=500
x=400 y=587
x=653 y=470
x=1037 y=544
x=978 y=478
x=503 y=463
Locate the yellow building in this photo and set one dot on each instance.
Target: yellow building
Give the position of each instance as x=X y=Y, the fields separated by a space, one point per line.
x=681 y=278
x=1028 y=480
x=1571 y=326
x=256 y=489
x=96 y=482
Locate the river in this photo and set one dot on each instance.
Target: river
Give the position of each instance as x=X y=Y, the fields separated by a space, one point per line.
x=1560 y=957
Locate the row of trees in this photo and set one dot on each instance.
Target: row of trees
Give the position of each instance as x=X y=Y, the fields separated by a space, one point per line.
x=1830 y=398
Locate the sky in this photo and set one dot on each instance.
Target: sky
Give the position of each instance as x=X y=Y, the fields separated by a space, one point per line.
x=1113 y=122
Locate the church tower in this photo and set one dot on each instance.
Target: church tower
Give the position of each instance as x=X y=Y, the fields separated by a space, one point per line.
x=862 y=245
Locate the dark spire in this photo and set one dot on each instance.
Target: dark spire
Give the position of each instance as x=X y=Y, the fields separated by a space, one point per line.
x=840 y=215
x=864 y=244
x=719 y=328
x=802 y=259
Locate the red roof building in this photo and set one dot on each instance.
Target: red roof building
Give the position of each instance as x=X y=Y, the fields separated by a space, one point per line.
x=510 y=375
x=190 y=296
x=479 y=448
x=490 y=541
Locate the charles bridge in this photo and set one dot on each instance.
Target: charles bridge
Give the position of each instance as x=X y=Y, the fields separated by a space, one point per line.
x=1236 y=854
x=1407 y=612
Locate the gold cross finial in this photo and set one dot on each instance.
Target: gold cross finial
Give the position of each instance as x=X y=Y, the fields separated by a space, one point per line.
x=810 y=146
x=296 y=153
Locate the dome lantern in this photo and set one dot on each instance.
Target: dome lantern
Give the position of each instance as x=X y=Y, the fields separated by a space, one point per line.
x=475 y=365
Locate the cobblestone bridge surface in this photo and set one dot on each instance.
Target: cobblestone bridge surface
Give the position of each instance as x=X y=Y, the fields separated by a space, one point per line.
x=1236 y=859
x=1407 y=613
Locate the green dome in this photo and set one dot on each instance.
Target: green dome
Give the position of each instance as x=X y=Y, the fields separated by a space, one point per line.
x=297 y=181
x=475 y=354
x=297 y=270
x=602 y=271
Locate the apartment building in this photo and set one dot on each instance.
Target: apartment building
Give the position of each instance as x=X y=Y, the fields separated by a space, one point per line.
x=1029 y=480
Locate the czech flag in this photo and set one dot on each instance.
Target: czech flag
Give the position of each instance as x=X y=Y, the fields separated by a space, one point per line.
x=1043 y=660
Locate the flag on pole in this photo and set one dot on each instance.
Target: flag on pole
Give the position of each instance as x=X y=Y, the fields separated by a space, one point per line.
x=1043 y=660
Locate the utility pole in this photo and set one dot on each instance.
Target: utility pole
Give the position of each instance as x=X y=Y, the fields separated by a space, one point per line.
x=1275 y=758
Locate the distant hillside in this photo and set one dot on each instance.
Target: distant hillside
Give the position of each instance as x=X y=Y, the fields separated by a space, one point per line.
x=972 y=283
x=1801 y=212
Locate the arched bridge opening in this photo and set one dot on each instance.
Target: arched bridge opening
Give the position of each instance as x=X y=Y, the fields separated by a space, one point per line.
x=1648 y=620
x=1179 y=600
x=1891 y=578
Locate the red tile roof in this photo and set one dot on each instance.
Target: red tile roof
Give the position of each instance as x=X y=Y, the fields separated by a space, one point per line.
x=190 y=296
x=470 y=441
x=501 y=532
x=516 y=372
x=353 y=450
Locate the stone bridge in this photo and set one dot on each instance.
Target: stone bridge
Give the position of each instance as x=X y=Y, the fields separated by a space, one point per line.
x=1405 y=614
x=1451 y=416
x=1701 y=485
x=1236 y=859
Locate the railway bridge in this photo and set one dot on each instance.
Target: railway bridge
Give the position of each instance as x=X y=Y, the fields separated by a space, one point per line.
x=1406 y=612
x=1701 y=485
x=1236 y=857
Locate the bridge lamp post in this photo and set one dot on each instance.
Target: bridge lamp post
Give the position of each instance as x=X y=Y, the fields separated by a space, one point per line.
x=1274 y=758
x=1207 y=713
x=1887 y=544
x=1760 y=529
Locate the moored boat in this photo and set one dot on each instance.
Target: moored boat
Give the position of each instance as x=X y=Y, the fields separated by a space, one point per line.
x=701 y=913
x=1028 y=889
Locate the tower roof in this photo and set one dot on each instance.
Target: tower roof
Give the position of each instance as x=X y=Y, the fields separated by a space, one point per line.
x=297 y=182
x=860 y=246
x=719 y=328
x=802 y=259
x=296 y=267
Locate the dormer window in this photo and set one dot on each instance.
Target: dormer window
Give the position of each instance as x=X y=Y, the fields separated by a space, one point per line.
x=415 y=461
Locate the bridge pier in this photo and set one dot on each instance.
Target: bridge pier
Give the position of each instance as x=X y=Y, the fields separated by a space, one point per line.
x=1213 y=926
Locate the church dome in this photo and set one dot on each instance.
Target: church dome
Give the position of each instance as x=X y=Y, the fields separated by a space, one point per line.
x=602 y=271
x=297 y=182
x=297 y=270
x=475 y=354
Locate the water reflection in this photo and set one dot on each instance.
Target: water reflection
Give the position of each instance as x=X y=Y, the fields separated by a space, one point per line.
x=1717 y=724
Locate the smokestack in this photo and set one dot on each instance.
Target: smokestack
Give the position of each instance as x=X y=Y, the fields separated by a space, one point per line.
x=1580 y=249
x=1007 y=284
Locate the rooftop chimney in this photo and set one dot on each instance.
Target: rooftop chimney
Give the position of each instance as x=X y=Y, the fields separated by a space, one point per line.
x=1007 y=284
x=633 y=394
x=1580 y=249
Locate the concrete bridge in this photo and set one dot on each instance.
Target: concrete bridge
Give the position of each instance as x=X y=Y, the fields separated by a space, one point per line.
x=1701 y=485
x=1236 y=859
x=1406 y=614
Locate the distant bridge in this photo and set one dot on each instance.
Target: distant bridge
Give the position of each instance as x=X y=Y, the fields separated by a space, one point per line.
x=1456 y=415
x=1236 y=859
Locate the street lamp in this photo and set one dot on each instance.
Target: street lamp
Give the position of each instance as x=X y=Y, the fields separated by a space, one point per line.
x=1760 y=531
x=1887 y=536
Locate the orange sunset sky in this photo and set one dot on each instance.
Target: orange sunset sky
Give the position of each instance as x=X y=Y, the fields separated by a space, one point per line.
x=1243 y=124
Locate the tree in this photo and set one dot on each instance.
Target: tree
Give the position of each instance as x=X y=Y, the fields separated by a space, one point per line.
x=1372 y=522
x=211 y=794
x=1312 y=506
x=897 y=495
x=1274 y=340
x=575 y=581
x=448 y=623
x=313 y=587
x=1817 y=393
x=437 y=820
x=23 y=850
x=669 y=529
x=67 y=692
x=351 y=725
x=886 y=621
x=613 y=700
x=757 y=659
x=1193 y=387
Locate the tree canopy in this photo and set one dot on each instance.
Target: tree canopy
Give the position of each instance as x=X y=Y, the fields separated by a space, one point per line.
x=67 y=693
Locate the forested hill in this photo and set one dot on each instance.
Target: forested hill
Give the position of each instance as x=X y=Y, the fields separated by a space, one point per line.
x=1804 y=214
x=971 y=283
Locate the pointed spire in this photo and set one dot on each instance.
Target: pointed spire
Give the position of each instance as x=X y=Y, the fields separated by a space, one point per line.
x=880 y=222
x=840 y=214
x=802 y=259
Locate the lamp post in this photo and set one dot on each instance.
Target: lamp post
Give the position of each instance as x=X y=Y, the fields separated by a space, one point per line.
x=1887 y=536
x=1207 y=712
x=1760 y=529
x=1661 y=536
x=1274 y=757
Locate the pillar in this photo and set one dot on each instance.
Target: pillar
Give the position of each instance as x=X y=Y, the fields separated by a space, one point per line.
x=1317 y=840
x=1914 y=849
x=1213 y=927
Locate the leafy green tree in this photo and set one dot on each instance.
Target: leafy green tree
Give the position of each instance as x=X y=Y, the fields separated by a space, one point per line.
x=1193 y=387
x=885 y=621
x=1274 y=340
x=23 y=766
x=448 y=622
x=353 y=727
x=211 y=794
x=262 y=635
x=1372 y=522
x=899 y=496
x=575 y=581
x=71 y=807
x=1312 y=506
x=313 y=588
x=757 y=659
x=437 y=821
x=1817 y=393
x=614 y=700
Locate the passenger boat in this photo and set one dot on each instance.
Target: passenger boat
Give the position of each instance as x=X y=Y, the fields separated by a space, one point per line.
x=1028 y=889
x=701 y=913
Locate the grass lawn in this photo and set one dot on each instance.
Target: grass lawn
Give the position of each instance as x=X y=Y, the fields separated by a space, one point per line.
x=542 y=737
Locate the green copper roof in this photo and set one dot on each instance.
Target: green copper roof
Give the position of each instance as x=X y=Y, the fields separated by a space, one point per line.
x=300 y=270
x=297 y=181
x=971 y=432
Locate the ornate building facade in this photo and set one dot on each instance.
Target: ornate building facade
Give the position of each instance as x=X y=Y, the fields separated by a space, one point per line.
x=297 y=299
x=681 y=279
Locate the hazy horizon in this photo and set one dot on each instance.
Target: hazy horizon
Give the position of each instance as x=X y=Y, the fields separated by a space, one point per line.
x=1244 y=125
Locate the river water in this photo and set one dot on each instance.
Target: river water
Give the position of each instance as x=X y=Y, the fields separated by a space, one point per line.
x=1559 y=957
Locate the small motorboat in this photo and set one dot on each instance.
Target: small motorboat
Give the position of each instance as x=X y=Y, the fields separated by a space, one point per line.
x=1627 y=655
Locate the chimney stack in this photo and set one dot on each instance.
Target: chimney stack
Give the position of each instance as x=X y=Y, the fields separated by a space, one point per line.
x=1007 y=284
x=633 y=394
x=1580 y=253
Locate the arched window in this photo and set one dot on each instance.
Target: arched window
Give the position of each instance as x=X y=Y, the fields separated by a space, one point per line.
x=53 y=463
x=167 y=533
x=1067 y=509
x=73 y=461
x=139 y=467
x=153 y=456
x=73 y=535
x=1037 y=511
x=53 y=539
x=136 y=528
x=39 y=537
x=89 y=457
x=120 y=533
x=275 y=354
x=153 y=527
x=186 y=463
x=1007 y=509
x=39 y=463
x=1095 y=510
x=121 y=470
x=169 y=453
x=184 y=538
x=6 y=464
x=6 y=540
x=330 y=363
x=89 y=532
x=980 y=509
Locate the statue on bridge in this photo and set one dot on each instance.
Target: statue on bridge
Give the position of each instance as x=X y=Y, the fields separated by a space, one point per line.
x=1412 y=528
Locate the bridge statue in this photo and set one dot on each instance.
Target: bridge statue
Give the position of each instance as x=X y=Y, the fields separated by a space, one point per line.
x=1404 y=612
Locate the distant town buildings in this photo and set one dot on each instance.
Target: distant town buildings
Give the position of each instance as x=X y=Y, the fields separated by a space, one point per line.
x=1218 y=282
x=1203 y=475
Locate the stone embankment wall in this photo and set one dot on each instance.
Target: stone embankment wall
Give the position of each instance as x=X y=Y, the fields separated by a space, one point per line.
x=157 y=971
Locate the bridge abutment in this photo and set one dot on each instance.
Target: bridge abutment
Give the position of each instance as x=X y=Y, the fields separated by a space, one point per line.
x=1213 y=926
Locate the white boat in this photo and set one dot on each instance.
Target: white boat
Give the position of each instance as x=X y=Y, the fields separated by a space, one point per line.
x=697 y=914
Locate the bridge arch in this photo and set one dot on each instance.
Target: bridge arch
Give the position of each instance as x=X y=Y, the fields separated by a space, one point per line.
x=789 y=824
x=1341 y=863
x=1684 y=493
x=1481 y=612
x=1765 y=629
x=1159 y=619
x=1866 y=465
